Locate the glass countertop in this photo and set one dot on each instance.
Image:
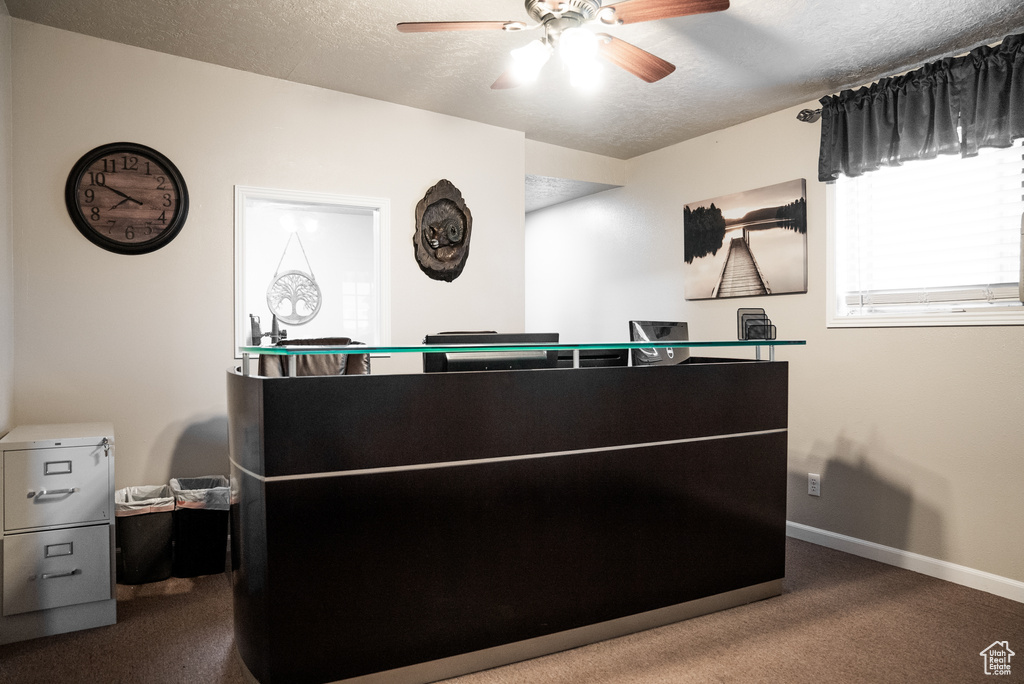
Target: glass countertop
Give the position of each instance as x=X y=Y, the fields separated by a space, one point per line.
x=299 y=349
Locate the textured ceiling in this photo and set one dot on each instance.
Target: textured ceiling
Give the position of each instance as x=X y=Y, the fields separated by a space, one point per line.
x=757 y=57
x=544 y=191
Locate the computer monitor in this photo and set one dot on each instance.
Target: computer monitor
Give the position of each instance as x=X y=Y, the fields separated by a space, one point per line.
x=659 y=331
x=448 y=362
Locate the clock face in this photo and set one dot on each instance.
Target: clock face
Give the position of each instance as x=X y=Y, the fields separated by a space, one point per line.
x=126 y=198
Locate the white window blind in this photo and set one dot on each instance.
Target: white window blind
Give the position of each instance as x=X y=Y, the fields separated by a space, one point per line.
x=939 y=236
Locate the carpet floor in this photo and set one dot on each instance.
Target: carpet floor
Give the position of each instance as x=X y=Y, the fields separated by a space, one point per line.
x=841 y=618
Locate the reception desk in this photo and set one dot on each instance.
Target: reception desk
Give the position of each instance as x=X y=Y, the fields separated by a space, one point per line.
x=409 y=528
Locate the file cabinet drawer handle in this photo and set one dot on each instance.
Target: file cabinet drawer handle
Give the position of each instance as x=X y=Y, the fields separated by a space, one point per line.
x=52 y=492
x=51 y=575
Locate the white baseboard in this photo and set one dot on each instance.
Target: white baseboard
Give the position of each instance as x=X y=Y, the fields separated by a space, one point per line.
x=951 y=572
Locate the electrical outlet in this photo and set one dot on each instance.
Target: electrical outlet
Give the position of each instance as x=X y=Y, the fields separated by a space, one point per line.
x=814 y=484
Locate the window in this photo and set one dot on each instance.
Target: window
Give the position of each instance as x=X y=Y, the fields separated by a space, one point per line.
x=318 y=262
x=932 y=242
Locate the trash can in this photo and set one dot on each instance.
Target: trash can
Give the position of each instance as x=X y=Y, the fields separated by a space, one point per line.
x=143 y=528
x=200 y=525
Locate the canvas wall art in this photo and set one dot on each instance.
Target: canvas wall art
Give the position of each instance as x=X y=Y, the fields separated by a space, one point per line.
x=747 y=244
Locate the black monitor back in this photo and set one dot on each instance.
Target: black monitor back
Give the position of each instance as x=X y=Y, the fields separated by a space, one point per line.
x=659 y=331
x=444 y=362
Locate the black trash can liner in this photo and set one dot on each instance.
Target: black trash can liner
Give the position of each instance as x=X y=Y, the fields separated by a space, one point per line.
x=200 y=525
x=143 y=530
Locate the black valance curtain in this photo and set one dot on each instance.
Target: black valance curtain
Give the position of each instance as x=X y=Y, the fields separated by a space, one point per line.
x=915 y=116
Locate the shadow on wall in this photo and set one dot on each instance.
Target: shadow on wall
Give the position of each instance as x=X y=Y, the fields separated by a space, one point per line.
x=859 y=500
x=201 y=449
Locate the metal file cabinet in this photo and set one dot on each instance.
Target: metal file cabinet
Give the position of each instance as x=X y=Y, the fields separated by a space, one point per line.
x=57 y=538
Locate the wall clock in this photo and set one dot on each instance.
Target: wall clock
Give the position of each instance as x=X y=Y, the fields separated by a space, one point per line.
x=126 y=198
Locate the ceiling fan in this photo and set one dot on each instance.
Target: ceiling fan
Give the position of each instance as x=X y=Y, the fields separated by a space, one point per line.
x=562 y=21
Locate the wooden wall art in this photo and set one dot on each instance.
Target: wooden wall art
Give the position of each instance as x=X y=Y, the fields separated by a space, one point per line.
x=444 y=225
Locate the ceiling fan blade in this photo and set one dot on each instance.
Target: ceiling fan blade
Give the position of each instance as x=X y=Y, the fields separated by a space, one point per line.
x=430 y=26
x=635 y=11
x=638 y=62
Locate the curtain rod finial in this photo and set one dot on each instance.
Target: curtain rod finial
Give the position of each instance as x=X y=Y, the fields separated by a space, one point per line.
x=809 y=115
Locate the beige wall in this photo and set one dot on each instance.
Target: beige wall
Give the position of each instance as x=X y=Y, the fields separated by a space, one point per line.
x=917 y=433
x=6 y=230
x=144 y=341
x=545 y=159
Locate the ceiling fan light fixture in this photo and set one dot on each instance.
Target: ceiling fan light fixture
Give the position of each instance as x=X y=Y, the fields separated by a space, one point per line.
x=578 y=49
x=527 y=61
x=577 y=46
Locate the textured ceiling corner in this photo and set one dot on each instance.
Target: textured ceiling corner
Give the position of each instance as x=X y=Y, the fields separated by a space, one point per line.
x=544 y=191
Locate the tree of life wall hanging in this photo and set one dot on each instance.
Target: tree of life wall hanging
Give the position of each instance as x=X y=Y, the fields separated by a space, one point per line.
x=294 y=296
x=443 y=228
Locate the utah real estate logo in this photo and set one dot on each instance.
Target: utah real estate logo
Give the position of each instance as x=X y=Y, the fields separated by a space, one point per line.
x=997 y=658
